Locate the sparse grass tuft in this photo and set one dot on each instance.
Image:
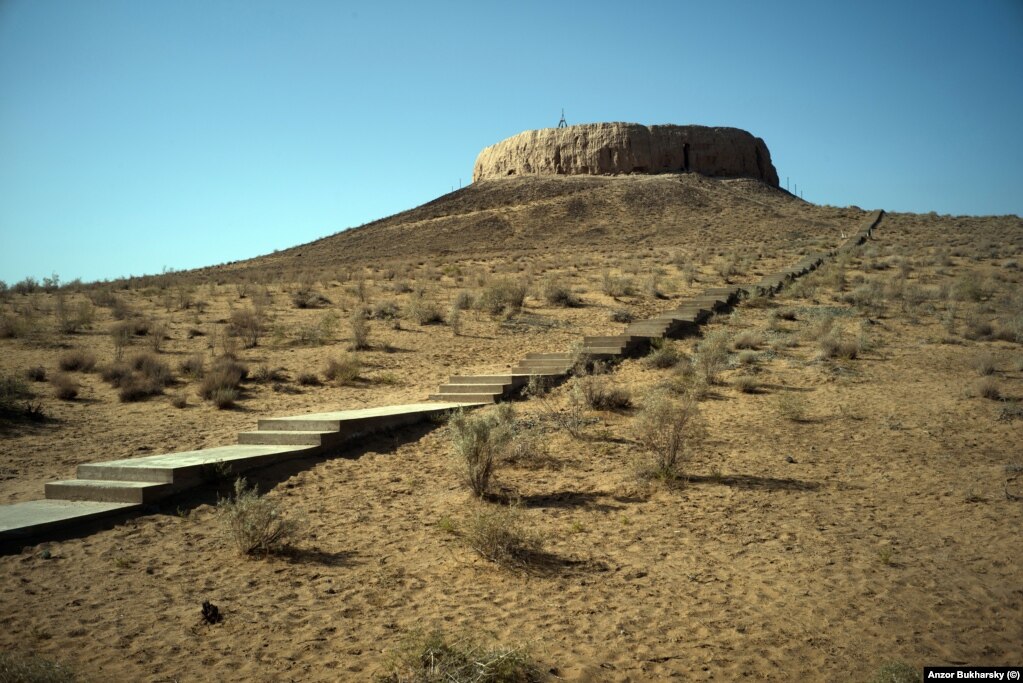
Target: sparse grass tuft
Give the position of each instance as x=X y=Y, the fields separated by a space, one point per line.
x=254 y=522
x=431 y=658
x=791 y=406
x=748 y=340
x=664 y=355
x=747 y=384
x=984 y=363
x=897 y=672
x=987 y=387
x=17 y=668
x=221 y=384
x=501 y=535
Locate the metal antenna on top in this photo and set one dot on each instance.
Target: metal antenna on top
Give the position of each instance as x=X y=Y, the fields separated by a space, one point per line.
x=562 y=123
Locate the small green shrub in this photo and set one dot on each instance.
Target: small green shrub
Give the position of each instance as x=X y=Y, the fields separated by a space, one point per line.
x=668 y=430
x=255 y=523
x=897 y=672
x=477 y=441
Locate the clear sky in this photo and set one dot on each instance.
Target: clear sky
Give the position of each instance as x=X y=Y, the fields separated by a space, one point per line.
x=142 y=134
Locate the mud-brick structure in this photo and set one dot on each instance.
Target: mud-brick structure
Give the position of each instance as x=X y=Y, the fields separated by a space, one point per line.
x=615 y=148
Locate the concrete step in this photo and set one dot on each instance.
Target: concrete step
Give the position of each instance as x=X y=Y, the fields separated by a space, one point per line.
x=105 y=491
x=279 y=437
x=188 y=467
x=593 y=351
x=540 y=363
x=613 y=340
x=356 y=422
x=567 y=356
x=463 y=399
x=31 y=518
x=494 y=389
x=508 y=380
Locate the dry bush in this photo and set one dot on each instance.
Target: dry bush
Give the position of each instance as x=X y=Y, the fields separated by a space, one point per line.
x=748 y=339
x=64 y=387
x=791 y=406
x=309 y=379
x=502 y=296
x=157 y=334
x=73 y=319
x=600 y=393
x=668 y=430
x=77 y=360
x=621 y=315
x=152 y=368
x=984 y=363
x=19 y=668
x=896 y=672
x=977 y=328
x=712 y=355
x=424 y=312
x=462 y=301
x=477 y=441
x=501 y=535
x=430 y=658
x=16 y=325
x=193 y=367
x=747 y=384
x=455 y=320
x=344 y=370
x=664 y=355
x=222 y=383
x=264 y=374
x=360 y=331
x=748 y=358
x=14 y=398
x=971 y=286
x=616 y=286
x=555 y=293
x=180 y=401
x=246 y=324
x=834 y=346
x=385 y=310
x=308 y=298
x=987 y=387
x=36 y=374
x=255 y=523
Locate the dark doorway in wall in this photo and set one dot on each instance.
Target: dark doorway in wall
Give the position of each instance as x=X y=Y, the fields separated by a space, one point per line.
x=685 y=157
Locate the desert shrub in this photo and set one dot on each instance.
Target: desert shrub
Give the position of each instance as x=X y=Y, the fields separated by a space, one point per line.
x=308 y=298
x=15 y=325
x=360 y=331
x=834 y=346
x=747 y=384
x=64 y=387
x=712 y=355
x=77 y=360
x=193 y=367
x=19 y=668
x=668 y=431
x=970 y=286
x=157 y=333
x=477 y=440
x=616 y=286
x=13 y=391
x=309 y=379
x=246 y=324
x=455 y=320
x=791 y=406
x=136 y=387
x=984 y=363
x=462 y=301
x=385 y=310
x=987 y=387
x=600 y=393
x=343 y=370
x=556 y=293
x=502 y=296
x=255 y=523
x=897 y=672
x=501 y=535
x=221 y=384
x=72 y=319
x=424 y=312
x=116 y=374
x=180 y=401
x=748 y=339
x=977 y=328
x=152 y=368
x=431 y=658
x=748 y=358
x=664 y=355
x=264 y=374
x=36 y=374
x=121 y=334
x=401 y=286
x=622 y=315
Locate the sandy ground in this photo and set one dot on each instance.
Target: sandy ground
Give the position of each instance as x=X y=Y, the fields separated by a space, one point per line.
x=883 y=525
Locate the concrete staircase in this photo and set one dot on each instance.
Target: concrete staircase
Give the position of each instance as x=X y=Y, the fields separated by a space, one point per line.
x=119 y=486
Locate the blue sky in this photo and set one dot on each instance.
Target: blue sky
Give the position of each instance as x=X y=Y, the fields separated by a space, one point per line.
x=142 y=135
